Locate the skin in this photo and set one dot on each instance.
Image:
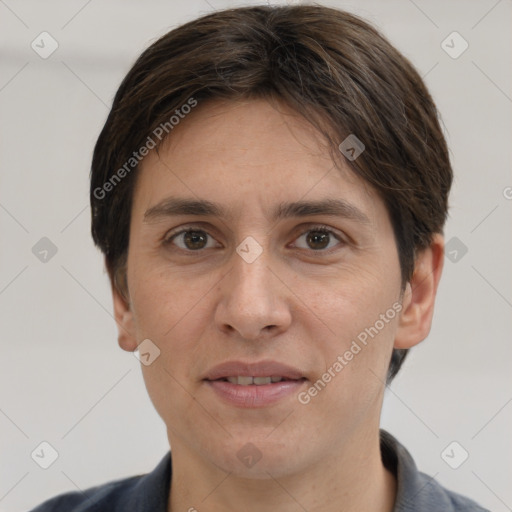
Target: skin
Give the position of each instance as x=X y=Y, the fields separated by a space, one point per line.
x=293 y=304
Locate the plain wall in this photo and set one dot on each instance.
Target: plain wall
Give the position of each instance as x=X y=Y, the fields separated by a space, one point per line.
x=64 y=380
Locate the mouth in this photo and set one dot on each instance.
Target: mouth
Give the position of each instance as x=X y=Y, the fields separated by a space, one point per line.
x=259 y=373
x=245 y=380
x=254 y=385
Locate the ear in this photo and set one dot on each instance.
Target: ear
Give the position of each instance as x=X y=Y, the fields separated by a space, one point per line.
x=419 y=295
x=123 y=315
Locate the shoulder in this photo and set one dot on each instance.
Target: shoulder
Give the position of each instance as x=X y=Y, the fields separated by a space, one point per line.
x=416 y=491
x=140 y=493
x=434 y=496
x=100 y=498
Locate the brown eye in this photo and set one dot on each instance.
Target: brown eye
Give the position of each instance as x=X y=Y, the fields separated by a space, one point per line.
x=191 y=240
x=318 y=239
x=195 y=239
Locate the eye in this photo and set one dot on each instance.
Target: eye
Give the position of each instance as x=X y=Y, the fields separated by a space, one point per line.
x=191 y=239
x=318 y=238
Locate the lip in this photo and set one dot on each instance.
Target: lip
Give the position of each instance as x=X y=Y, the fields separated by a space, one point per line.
x=254 y=396
x=259 y=369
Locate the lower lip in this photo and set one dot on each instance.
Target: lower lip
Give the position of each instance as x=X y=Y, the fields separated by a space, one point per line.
x=253 y=396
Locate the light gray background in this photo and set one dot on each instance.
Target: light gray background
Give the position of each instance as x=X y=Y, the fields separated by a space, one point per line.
x=63 y=378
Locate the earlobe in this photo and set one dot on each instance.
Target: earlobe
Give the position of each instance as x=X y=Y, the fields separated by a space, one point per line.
x=419 y=296
x=124 y=319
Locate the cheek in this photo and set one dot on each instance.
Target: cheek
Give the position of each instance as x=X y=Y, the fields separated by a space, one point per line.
x=358 y=318
x=163 y=300
x=171 y=310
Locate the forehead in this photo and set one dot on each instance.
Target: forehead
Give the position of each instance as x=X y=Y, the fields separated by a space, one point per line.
x=243 y=153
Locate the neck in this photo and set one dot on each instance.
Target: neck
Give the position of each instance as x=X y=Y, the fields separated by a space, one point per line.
x=349 y=480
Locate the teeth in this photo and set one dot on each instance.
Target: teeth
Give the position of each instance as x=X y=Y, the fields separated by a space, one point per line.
x=262 y=380
x=243 y=380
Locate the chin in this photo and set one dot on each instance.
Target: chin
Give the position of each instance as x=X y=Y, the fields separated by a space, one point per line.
x=255 y=457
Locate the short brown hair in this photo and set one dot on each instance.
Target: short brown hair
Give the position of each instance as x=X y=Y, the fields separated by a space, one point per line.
x=330 y=66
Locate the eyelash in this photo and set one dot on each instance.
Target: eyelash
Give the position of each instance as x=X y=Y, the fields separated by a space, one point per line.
x=168 y=240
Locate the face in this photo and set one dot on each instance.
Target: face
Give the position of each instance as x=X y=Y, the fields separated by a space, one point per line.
x=261 y=286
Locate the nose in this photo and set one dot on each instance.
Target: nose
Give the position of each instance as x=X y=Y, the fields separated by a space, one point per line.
x=254 y=301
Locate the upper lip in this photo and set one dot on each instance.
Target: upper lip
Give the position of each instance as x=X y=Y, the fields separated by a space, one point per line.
x=259 y=369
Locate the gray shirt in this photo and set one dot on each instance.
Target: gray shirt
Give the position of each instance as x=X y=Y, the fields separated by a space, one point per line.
x=416 y=492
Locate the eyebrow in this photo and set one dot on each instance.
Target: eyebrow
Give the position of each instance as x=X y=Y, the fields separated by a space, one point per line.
x=171 y=207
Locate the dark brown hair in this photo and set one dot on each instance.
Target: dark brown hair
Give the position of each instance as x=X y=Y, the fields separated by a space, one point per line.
x=330 y=66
